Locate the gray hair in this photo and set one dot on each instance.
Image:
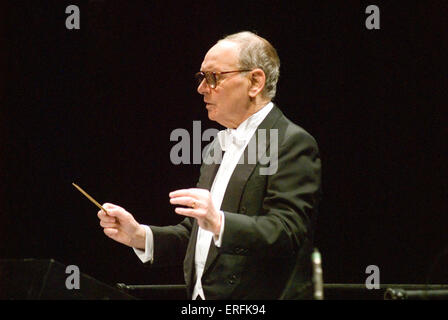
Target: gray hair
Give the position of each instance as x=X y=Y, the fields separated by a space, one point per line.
x=257 y=52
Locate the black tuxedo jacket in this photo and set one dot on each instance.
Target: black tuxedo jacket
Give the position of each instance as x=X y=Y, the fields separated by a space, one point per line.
x=267 y=240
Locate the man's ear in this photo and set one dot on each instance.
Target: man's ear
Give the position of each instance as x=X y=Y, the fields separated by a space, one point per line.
x=257 y=80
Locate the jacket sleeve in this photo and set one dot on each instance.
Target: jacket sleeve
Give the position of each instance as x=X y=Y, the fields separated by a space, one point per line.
x=170 y=243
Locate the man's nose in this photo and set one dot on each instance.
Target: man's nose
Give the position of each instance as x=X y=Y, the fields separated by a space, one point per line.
x=203 y=87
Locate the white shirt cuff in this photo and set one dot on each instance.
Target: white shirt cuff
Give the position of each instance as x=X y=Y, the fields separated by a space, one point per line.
x=221 y=231
x=147 y=254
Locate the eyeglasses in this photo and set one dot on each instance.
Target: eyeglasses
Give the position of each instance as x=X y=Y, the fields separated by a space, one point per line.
x=211 y=77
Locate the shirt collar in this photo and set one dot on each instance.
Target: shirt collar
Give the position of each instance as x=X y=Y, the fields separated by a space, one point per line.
x=246 y=128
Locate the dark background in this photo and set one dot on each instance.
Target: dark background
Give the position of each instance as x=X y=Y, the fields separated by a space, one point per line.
x=96 y=106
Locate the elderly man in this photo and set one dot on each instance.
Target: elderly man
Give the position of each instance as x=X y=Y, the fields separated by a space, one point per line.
x=246 y=234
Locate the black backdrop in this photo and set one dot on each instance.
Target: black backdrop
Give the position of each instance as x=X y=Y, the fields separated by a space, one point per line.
x=96 y=106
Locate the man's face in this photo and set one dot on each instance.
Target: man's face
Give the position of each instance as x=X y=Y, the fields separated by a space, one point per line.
x=226 y=104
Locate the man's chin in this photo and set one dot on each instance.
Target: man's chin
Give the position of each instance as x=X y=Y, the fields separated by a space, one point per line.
x=212 y=115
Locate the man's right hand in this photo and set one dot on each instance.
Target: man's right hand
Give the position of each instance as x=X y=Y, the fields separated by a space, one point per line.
x=121 y=226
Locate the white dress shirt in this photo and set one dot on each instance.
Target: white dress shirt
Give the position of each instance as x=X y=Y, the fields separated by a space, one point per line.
x=239 y=138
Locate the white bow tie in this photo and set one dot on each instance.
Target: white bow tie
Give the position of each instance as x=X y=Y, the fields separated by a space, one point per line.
x=228 y=137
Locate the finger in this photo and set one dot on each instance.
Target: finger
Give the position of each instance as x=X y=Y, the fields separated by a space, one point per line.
x=117 y=212
x=108 y=224
x=110 y=232
x=192 y=192
x=188 y=212
x=185 y=201
x=179 y=193
x=109 y=206
x=104 y=217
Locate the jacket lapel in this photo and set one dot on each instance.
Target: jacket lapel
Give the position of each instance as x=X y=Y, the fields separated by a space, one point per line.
x=238 y=180
x=208 y=173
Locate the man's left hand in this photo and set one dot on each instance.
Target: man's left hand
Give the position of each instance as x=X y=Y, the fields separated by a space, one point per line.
x=200 y=206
